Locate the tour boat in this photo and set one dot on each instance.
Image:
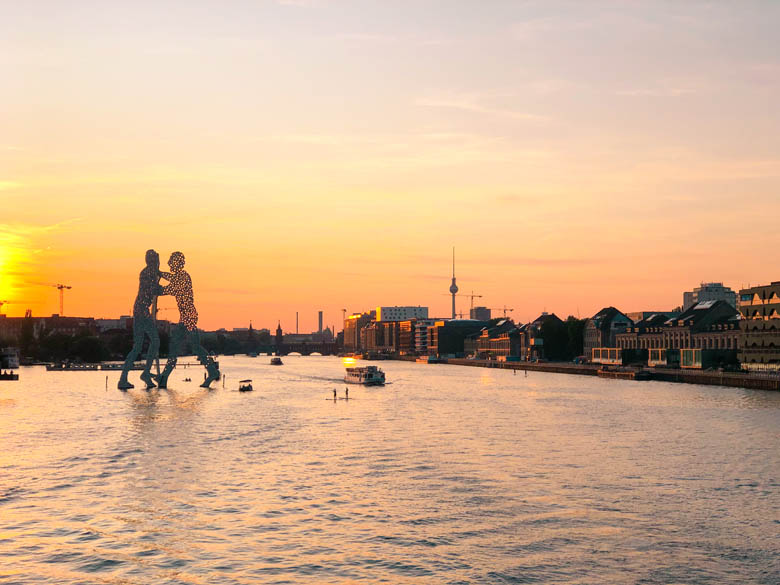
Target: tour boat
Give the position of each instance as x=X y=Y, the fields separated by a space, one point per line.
x=276 y=361
x=367 y=375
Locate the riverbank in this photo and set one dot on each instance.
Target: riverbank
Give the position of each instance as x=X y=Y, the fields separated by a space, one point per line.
x=751 y=381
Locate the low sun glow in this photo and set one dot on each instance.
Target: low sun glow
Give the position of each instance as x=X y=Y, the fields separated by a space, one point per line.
x=6 y=283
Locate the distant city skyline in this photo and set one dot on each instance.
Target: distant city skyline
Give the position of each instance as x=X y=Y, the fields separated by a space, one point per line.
x=317 y=155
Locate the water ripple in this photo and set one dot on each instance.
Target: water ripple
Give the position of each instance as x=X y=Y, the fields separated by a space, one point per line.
x=451 y=475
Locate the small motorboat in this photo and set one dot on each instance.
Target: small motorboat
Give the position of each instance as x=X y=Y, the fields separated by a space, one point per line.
x=276 y=361
x=245 y=386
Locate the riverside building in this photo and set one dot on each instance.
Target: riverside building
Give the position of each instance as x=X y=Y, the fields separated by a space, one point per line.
x=500 y=342
x=480 y=313
x=446 y=337
x=759 y=346
x=601 y=330
x=353 y=326
x=709 y=291
x=401 y=313
x=705 y=335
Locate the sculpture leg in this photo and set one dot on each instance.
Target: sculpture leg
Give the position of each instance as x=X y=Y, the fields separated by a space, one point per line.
x=154 y=349
x=212 y=372
x=177 y=337
x=138 y=342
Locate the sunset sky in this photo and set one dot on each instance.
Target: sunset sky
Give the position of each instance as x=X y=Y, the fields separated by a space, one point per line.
x=313 y=155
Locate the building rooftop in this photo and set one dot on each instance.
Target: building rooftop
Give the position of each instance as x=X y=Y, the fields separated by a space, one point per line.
x=605 y=317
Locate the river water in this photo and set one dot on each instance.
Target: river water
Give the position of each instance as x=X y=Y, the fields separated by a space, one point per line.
x=447 y=475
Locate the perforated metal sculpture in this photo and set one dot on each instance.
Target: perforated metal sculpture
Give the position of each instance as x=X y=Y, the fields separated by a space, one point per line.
x=143 y=323
x=180 y=287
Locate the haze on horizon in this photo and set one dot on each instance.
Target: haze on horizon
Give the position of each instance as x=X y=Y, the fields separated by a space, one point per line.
x=314 y=154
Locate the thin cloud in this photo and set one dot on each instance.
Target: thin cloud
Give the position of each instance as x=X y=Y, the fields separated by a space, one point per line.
x=657 y=92
x=541 y=262
x=533 y=28
x=473 y=103
x=22 y=230
x=671 y=87
x=366 y=37
x=299 y=3
x=519 y=199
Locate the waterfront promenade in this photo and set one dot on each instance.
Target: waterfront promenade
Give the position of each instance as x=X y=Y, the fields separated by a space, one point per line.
x=754 y=381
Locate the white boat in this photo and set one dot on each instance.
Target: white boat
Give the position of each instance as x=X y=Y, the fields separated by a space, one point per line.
x=366 y=375
x=9 y=358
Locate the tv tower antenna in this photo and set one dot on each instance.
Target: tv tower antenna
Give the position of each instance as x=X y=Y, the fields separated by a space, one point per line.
x=453 y=286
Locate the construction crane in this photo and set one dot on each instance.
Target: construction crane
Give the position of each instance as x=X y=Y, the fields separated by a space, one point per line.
x=472 y=296
x=504 y=309
x=61 y=288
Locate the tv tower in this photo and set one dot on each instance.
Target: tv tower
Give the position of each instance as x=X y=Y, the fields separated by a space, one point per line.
x=453 y=286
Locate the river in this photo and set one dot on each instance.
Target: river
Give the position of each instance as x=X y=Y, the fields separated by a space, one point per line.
x=447 y=475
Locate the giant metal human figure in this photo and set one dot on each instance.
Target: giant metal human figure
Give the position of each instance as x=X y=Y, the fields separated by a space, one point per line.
x=143 y=323
x=180 y=286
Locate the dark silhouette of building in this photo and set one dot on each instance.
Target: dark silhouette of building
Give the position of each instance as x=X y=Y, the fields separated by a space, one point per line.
x=446 y=338
x=601 y=330
x=480 y=313
x=279 y=339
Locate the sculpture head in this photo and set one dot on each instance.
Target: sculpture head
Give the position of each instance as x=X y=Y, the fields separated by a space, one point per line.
x=176 y=261
x=152 y=259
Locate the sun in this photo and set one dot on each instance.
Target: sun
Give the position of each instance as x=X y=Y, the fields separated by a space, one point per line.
x=7 y=280
x=4 y=277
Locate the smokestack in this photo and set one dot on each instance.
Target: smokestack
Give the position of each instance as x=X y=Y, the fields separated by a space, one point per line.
x=296 y=322
x=320 y=318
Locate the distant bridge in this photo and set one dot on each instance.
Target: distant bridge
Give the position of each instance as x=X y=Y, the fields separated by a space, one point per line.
x=303 y=348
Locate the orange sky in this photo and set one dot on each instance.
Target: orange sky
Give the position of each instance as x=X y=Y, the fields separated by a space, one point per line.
x=317 y=155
